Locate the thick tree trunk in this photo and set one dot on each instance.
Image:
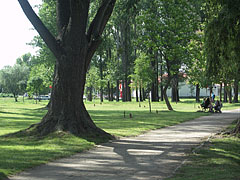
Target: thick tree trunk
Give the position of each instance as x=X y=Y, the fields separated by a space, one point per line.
x=73 y=48
x=67 y=111
x=197 y=93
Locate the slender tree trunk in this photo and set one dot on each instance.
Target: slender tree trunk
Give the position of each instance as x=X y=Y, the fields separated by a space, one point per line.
x=220 y=92
x=129 y=95
x=236 y=91
x=175 y=94
x=15 y=97
x=108 y=88
x=225 y=93
x=161 y=79
x=165 y=95
x=143 y=94
x=111 y=93
x=161 y=87
x=90 y=93
x=124 y=91
x=154 y=92
x=117 y=91
x=197 y=93
x=137 y=94
x=140 y=94
x=230 y=94
x=101 y=77
x=166 y=99
x=149 y=102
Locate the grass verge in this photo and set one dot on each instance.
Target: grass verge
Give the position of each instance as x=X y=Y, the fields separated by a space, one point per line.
x=218 y=159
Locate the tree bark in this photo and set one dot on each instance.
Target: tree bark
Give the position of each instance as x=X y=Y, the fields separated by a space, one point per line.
x=90 y=93
x=117 y=91
x=197 y=93
x=230 y=94
x=237 y=128
x=236 y=91
x=101 y=77
x=137 y=94
x=108 y=89
x=225 y=99
x=73 y=49
x=220 y=92
x=165 y=95
x=111 y=93
x=140 y=94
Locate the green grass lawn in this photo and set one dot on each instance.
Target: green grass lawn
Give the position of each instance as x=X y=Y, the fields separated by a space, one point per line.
x=19 y=153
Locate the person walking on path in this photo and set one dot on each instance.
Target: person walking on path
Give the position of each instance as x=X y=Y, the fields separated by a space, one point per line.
x=154 y=155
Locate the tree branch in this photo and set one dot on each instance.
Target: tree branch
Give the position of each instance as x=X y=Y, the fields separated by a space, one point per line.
x=63 y=15
x=100 y=20
x=48 y=38
x=97 y=26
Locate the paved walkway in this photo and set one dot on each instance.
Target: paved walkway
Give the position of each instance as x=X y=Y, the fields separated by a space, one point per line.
x=151 y=156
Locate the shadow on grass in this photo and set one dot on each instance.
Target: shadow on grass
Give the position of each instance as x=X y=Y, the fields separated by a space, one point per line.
x=115 y=123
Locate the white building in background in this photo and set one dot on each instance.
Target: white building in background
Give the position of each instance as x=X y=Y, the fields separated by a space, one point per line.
x=188 y=90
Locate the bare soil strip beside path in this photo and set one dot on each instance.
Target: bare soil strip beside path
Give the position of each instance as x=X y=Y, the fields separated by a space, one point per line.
x=151 y=156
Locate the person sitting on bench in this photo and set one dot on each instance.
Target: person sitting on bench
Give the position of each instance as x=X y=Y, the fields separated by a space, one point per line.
x=207 y=104
x=218 y=106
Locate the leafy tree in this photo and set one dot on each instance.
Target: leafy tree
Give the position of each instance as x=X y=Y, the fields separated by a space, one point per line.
x=123 y=30
x=143 y=74
x=196 y=71
x=24 y=60
x=76 y=42
x=43 y=72
x=143 y=71
x=92 y=81
x=167 y=28
x=222 y=45
x=14 y=79
x=35 y=85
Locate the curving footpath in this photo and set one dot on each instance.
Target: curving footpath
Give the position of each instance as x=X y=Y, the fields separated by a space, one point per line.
x=151 y=156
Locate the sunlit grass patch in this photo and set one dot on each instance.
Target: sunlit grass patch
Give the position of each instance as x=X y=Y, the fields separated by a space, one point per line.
x=217 y=160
